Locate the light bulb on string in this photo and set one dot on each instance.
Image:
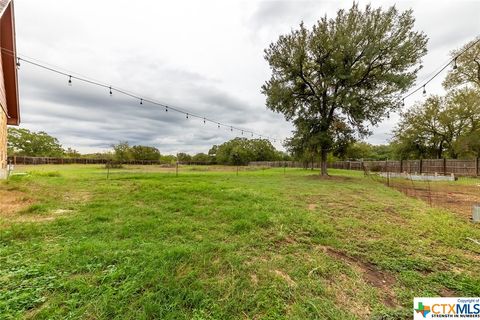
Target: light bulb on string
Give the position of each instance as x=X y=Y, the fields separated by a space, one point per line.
x=424 y=90
x=403 y=102
x=120 y=92
x=455 y=63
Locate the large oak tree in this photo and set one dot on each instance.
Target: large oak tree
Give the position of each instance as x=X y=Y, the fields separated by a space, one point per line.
x=344 y=74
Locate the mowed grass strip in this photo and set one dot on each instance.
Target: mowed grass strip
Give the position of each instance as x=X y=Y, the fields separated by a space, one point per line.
x=146 y=244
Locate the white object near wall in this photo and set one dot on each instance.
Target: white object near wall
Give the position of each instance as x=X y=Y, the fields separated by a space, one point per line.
x=476 y=213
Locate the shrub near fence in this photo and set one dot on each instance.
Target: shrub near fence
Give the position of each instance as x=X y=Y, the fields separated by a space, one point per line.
x=428 y=166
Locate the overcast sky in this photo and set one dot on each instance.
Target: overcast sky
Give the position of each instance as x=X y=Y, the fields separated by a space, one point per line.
x=203 y=56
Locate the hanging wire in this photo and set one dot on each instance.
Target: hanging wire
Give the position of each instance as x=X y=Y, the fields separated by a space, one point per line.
x=121 y=91
x=441 y=69
x=94 y=82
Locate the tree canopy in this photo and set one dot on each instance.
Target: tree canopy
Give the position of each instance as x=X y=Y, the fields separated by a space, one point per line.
x=24 y=142
x=202 y=158
x=367 y=151
x=441 y=126
x=144 y=153
x=241 y=151
x=124 y=152
x=343 y=75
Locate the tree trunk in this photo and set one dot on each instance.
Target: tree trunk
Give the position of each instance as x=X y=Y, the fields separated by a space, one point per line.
x=324 y=162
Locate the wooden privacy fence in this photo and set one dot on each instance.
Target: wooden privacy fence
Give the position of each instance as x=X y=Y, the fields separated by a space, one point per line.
x=427 y=166
x=51 y=160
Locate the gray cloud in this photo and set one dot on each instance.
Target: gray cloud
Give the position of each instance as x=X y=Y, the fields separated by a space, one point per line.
x=205 y=57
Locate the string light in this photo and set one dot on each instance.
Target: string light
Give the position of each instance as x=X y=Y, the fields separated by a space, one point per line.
x=93 y=82
x=449 y=63
x=32 y=61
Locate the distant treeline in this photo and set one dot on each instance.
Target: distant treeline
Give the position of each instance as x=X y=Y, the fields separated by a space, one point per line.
x=238 y=151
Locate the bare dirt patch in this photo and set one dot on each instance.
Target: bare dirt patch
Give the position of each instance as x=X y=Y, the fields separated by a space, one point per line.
x=370 y=273
x=455 y=197
x=312 y=206
x=13 y=201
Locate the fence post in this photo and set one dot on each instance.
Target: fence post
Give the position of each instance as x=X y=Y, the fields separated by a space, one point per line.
x=444 y=166
x=477 y=173
x=421 y=165
x=401 y=165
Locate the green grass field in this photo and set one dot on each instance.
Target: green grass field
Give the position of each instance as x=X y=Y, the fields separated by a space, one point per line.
x=146 y=244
